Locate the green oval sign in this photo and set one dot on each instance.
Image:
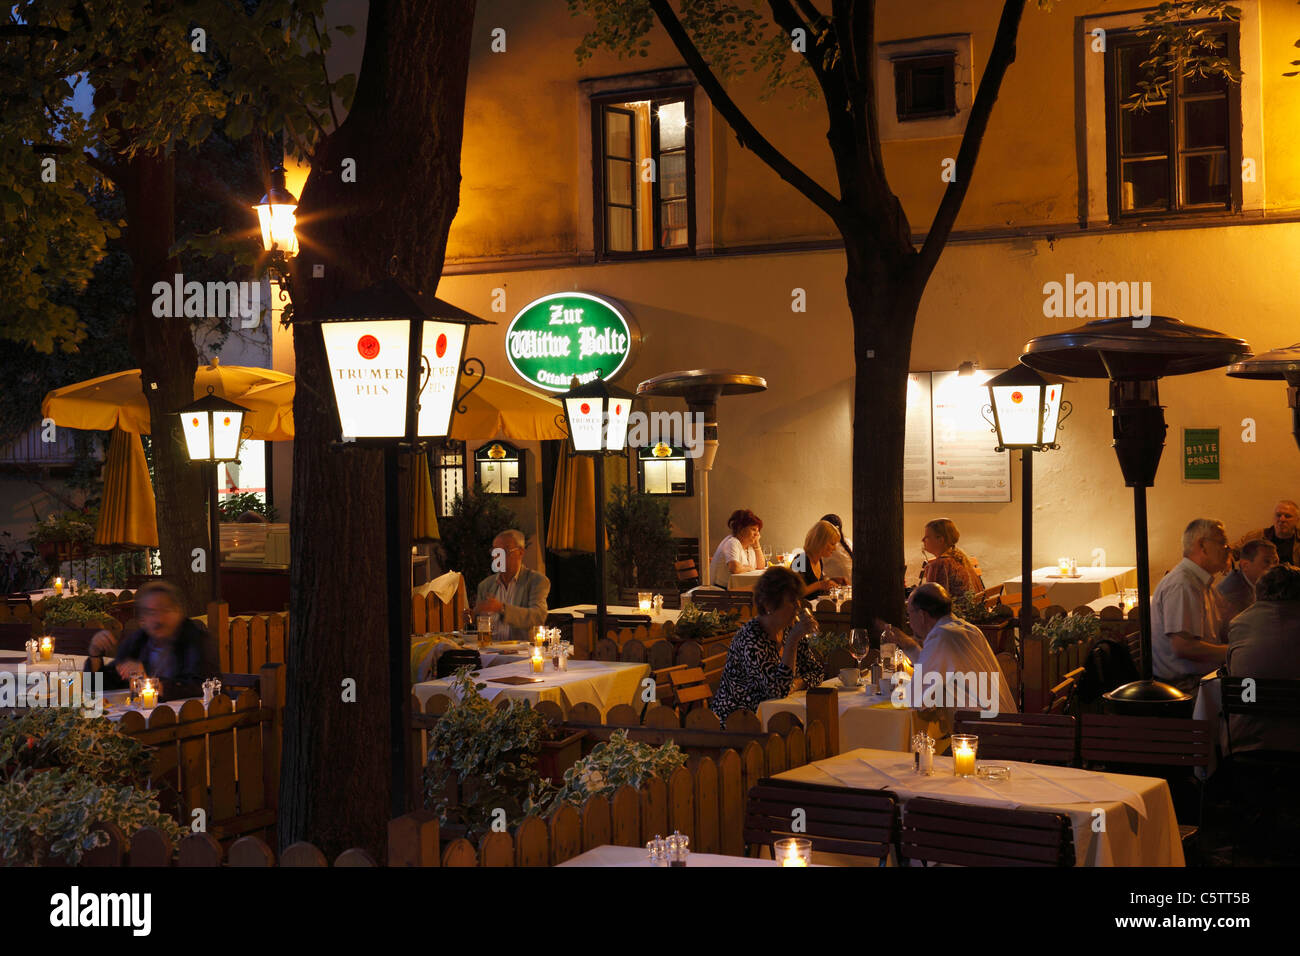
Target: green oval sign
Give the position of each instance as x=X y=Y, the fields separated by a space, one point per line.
x=558 y=336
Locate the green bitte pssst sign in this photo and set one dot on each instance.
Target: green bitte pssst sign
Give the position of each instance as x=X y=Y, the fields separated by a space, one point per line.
x=568 y=334
x=1200 y=454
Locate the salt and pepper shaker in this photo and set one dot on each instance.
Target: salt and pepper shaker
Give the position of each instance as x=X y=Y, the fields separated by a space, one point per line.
x=1074 y=568
x=33 y=651
x=923 y=754
x=677 y=848
x=658 y=850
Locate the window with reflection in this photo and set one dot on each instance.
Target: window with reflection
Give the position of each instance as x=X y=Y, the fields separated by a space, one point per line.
x=664 y=470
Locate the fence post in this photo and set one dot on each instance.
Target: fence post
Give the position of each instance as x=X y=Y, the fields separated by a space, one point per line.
x=270 y=685
x=413 y=840
x=824 y=706
x=219 y=627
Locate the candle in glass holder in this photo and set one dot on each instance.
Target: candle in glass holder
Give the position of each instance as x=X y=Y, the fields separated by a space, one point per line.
x=1063 y=566
x=58 y=586
x=149 y=694
x=794 y=851
x=963 y=754
x=539 y=639
x=644 y=601
x=47 y=648
x=538 y=661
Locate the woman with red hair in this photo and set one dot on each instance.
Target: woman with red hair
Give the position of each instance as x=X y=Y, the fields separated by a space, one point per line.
x=738 y=551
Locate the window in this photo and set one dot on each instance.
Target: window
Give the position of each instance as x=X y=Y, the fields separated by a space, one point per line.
x=501 y=469
x=644 y=174
x=925 y=86
x=249 y=474
x=664 y=470
x=449 y=473
x=1180 y=155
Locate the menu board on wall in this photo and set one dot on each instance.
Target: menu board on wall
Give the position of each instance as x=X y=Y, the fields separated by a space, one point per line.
x=948 y=449
x=966 y=468
x=918 y=460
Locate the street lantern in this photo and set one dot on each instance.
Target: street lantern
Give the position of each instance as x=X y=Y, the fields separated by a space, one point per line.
x=276 y=214
x=212 y=427
x=598 y=414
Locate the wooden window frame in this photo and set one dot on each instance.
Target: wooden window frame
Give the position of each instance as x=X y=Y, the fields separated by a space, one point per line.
x=520 y=456
x=903 y=87
x=436 y=470
x=640 y=479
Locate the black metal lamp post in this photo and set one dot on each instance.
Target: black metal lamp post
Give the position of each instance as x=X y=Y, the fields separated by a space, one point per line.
x=395 y=359
x=1279 y=364
x=1027 y=409
x=597 y=414
x=1134 y=356
x=212 y=427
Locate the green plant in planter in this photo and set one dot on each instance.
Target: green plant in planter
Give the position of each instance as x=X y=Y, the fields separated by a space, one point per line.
x=490 y=751
x=616 y=763
x=73 y=527
x=641 y=545
x=695 y=623
x=1066 y=629
x=232 y=506
x=83 y=610
x=969 y=607
x=61 y=773
x=823 y=643
x=467 y=533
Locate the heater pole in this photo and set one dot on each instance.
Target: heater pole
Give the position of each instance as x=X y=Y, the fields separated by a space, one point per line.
x=600 y=546
x=1144 y=577
x=1026 y=550
x=214 y=534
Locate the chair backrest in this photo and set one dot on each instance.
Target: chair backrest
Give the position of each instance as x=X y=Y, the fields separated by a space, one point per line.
x=990 y=596
x=836 y=819
x=1063 y=698
x=1109 y=664
x=1037 y=597
x=719 y=600
x=1262 y=697
x=935 y=831
x=1046 y=738
x=712 y=667
x=1145 y=741
x=453 y=660
x=689 y=686
x=688 y=576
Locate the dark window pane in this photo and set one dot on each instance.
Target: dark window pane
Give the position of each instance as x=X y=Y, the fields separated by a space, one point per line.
x=673 y=221
x=1131 y=72
x=1145 y=185
x=619 y=234
x=672 y=125
x=672 y=176
x=924 y=86
x=1144 y=131
x=929 y=89
x=618 y=134
x=1205 y=123
x=1204 y=84
x=1205 y=179
x=618 y=181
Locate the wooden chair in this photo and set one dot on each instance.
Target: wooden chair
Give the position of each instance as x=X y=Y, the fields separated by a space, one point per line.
x=956 y=834
x=1037 y=598
x=990 y=597
x=836 y=819
x=688 y=576
x=719 y=600
x=689 y=688
x=1061 y=698
x=1139 y=743
x=1038 y=738
x=1269 y=699
x=712 y=667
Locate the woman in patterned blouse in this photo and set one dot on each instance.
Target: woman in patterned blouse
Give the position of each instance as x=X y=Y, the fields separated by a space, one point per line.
x=951 y=566
x=767 y=653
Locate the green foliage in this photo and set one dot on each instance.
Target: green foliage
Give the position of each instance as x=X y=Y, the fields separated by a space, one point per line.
x=640 y=539
x=76 y=527
x=490 y=751
x=83 y=610
x=824 y=642
x=969 y=607
x=232 y=506
x=476 y=518
x=1066 y=629
x=616 y=763
x=20 y=570
x=694 y=623
x=59 y=774
x=1181 y=48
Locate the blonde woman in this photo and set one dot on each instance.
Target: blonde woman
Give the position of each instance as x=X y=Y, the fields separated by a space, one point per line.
x=820 y=542
x=951 y=566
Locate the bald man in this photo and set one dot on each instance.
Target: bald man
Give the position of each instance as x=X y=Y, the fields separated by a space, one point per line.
x=1281 y=533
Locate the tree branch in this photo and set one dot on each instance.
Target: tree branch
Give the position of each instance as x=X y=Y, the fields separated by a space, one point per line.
x=749 y=137
x=1001 y=57
x=324 y=71
x=106 y=169
x=20 y=31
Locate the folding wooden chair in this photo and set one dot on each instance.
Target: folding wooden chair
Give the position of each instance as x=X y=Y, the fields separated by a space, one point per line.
x=836 y=819
x=712 y=667
x=1035 y=738
x=1061 y=698
x=935 y=831
x=689 y=687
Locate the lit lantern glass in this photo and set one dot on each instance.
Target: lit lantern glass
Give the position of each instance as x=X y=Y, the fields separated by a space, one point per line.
x=598 y=417
x=212 y=427
x=586 y=414
x=1026 y=407
x=277 y=215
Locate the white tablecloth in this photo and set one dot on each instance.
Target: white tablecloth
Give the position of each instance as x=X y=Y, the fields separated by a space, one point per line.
x=1069 y=593
x=866 y=719
x=435 y=645
x=636 y=856
x=589 y=610
x=1209 y=706
x=115 y=701
x=745 y=580
x=1138 y=812
x=602 y=683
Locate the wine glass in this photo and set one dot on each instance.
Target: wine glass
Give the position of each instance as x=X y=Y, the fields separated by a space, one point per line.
x=859 y=644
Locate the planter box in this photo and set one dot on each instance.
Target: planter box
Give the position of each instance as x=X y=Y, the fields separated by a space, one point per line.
x=999 y=636
x=557 y=756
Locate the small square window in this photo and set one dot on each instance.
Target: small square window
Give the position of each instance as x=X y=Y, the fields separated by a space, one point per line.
x=925 y=86
x=665 y=470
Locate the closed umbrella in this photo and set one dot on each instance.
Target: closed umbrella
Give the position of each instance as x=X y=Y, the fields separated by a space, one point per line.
x=573 y=506
x=126 y=513
x=425 y=527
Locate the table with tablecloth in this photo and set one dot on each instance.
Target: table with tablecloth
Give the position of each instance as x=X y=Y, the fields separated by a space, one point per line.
x=1071 y=592
x=43 y=593
x=638 y=856
x=427 y=648
x=1136 y=825
x=115 y=704
x=623 y=610
x=866 y=719
x=602 y=683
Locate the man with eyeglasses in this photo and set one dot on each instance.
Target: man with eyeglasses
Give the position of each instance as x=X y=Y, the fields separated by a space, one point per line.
x=516 y=597
x=1185 y=642
x=1282 y=533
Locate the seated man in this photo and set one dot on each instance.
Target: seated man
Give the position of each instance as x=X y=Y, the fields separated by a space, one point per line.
x=1264 y=642
x=1185 y=642
x=1281 y=533
x=1236 y=591
x=516 y=596
x=950 y=646
x=168 y=645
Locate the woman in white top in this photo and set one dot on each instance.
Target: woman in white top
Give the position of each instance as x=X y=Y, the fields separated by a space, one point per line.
x=839 y=563
x=739 y=551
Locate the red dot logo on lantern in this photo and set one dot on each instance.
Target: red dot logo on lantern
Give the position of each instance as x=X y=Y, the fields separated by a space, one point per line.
x=618 y=409
x=368 y=346
x=441 y=347
x=226 y=421
x=1017 y=398
x=1052 y=395
x=586 y=409
x=194 y=423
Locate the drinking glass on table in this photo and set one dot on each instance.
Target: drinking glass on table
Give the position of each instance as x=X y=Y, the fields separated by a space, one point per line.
x=859 y=644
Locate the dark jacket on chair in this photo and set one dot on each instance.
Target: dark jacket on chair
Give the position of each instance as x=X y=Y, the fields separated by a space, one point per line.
x=196 y=659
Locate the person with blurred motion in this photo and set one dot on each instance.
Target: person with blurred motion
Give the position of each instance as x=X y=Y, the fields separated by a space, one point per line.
x=169 y=646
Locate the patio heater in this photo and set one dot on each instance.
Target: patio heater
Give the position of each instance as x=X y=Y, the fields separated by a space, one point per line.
x=395 y=358
x=1134 y=357
x=702 y=388
x=1278 y=365
x=597 y=415
x=1026 y=410
x=213 y=427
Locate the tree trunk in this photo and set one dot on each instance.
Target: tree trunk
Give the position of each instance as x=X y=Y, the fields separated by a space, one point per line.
x=404 y=133
x=164 y=347
x=883 y=300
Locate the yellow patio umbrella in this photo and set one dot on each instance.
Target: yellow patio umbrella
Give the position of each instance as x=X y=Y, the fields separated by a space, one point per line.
x=118 y=400
x=126 y=513
x=573 y=506
x=425 y=526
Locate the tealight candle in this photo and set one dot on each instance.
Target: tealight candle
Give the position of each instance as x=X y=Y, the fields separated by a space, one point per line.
x=540 y=637
x=794 y=851
x=47 y=648
x=963 y=754
x=644 y=601
x=149 y=694
x=58 y=586
x=538 y=661
x=1063 y=566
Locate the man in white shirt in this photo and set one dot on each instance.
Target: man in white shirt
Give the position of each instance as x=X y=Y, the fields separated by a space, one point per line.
x=1185 y=642
x=516 y=596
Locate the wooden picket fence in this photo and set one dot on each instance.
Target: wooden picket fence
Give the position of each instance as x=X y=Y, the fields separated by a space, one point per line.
x=1044 y=669
x=704 y=800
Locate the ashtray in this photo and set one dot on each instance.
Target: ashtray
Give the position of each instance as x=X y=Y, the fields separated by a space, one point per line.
x=993 y=771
